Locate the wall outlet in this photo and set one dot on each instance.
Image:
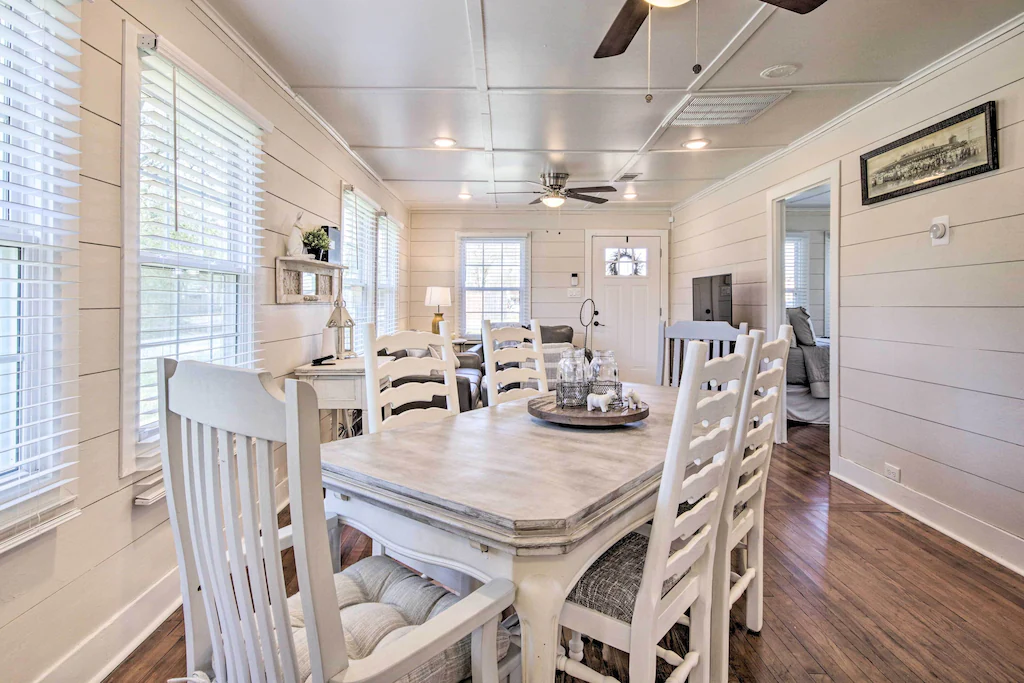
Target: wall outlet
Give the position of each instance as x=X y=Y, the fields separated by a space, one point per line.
x=574 y=293
x=892 y=472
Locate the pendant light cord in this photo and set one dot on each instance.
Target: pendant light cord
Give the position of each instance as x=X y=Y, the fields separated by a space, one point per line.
x=650 y=24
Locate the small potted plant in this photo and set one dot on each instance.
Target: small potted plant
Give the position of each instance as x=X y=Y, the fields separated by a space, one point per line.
x=317 y=243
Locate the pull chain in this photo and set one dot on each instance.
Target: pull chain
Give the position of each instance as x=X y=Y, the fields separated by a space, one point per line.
x=697 y=68
x=650 y=23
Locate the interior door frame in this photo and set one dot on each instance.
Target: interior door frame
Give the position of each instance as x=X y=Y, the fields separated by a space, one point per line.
x=775 y=211
x=588 y=258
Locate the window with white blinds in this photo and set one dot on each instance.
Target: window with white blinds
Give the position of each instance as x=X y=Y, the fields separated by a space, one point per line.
x=191 y=259
x=493 y=282
x=388 y=234
x=798 y=266
x=371 y=257
x=39 y=147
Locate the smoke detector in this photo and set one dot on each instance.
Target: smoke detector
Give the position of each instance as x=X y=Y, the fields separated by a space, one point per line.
x=727 y=109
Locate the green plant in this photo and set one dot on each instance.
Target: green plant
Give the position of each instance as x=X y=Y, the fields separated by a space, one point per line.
x=316 y=239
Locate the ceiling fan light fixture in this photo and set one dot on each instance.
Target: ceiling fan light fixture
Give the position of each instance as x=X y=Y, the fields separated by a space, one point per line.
x=444 y=142
x=629 y=194
x=553 y=201
x=699 y=143
x=667 y=3
x=780 y=71
x=465 y=195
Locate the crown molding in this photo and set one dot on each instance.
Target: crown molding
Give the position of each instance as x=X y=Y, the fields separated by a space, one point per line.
x=235 y=37
x=965 y=53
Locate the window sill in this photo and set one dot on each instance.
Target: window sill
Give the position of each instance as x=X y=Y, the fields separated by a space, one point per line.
x=37 y=531
x=154 y=490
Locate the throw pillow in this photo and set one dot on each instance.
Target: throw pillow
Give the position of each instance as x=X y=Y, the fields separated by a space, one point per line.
x=435 y=351
x=803 y=331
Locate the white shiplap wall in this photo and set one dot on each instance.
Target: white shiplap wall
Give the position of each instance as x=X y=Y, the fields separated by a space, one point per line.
x=76 y=599
x=557 y=240
x=932 y=338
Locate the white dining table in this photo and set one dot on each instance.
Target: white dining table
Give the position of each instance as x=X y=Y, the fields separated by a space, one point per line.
x=496 y=493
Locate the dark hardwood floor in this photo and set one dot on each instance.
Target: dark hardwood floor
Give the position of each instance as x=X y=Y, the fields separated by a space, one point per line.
x=855 y=591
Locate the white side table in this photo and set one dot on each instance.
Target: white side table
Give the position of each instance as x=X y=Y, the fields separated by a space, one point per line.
x=340 y=387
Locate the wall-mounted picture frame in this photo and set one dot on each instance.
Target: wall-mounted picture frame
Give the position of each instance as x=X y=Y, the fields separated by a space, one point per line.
x=962 y=146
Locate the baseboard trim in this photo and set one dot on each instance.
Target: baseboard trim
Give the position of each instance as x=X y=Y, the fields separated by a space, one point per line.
x=992 y=542
x=109 y=645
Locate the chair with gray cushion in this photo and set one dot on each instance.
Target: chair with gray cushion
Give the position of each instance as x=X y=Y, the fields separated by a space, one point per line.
x=653 y=579
x=375 y=621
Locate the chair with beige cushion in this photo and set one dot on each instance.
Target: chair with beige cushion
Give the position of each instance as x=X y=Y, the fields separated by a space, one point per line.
x=375 y=621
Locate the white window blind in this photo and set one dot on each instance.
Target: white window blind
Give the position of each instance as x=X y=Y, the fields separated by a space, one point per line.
x=798 y=266
x=360 y=259
x=39 y=147
x=388 y=234
x=493 y=282
x=191 y=259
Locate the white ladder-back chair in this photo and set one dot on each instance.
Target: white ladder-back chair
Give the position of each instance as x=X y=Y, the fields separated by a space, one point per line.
x=217 y=429
x=742 y=527
x=673 y=340
x=530 y=361
x=380 y=393
x=646 y=583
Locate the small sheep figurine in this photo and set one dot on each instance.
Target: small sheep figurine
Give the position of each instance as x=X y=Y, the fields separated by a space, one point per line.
x=631 y=399
x=601 y=401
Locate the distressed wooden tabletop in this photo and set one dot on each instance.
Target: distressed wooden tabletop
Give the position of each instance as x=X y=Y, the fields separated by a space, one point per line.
x=502 y=470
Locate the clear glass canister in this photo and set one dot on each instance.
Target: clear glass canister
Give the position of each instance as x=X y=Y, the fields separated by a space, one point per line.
x=604 y=368
x=566 y=367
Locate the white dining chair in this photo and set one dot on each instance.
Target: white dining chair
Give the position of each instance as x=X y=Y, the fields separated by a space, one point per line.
x=529 y=359
x=741 y=533
x=374 y=622
x=673 y=340
x=649 y=581
x=380 y=393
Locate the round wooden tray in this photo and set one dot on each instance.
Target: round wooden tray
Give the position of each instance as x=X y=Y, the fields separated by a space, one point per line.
x=545 y=409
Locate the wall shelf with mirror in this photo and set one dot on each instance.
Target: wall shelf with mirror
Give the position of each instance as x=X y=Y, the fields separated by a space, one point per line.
x=305 y=281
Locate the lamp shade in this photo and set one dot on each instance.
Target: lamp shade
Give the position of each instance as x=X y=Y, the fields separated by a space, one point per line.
x=438 y=296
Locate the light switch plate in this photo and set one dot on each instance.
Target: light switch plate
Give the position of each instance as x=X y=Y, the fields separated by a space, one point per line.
x=574 y=293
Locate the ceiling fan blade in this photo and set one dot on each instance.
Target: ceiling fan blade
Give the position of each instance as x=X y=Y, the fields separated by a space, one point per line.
x=629 y=20
x=798 y=6
x=585 y=197
x=535 y=201
x=524 y=192
x=598 y=188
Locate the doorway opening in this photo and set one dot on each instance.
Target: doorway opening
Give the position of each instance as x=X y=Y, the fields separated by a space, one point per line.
x=803 y=292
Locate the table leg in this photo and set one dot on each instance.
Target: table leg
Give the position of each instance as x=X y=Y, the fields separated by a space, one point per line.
x=334 y=425
x=346 y=417
x=539 y=600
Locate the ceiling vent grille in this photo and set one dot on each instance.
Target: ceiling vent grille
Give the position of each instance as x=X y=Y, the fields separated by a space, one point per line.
x=627 y=177
x=723 y=109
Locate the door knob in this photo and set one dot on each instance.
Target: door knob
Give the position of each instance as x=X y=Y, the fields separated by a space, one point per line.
x=597 y=324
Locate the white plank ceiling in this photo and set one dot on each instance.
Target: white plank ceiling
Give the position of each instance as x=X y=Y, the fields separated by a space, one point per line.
x=514 y=82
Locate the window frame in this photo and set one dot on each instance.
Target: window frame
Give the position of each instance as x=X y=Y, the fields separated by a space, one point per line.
x=524 y=239
x=136 y=455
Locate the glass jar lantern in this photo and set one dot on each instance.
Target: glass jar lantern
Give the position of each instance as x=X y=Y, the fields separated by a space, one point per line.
x=604 y=368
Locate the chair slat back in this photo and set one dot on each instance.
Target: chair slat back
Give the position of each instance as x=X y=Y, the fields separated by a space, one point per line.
x=673 y=341
x=217 y=429
x=754 y=439
x=380 y=392
x=530 y=359
x=682 y=539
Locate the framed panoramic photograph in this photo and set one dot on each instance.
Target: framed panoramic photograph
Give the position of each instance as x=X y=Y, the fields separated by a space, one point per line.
x=959 y=147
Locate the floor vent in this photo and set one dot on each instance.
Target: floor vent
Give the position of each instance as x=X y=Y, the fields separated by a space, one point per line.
x=725 y=109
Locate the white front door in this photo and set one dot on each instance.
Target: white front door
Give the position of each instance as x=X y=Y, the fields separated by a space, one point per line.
x=626 y=287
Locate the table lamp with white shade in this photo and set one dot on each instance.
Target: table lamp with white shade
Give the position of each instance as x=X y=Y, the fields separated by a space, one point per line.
x=438 y=296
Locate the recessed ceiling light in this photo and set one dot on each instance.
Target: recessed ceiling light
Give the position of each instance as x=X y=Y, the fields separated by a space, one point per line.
x=629 y=195
x=444 y=142
x=667 y=3
x=465 y=195
x=780 y=71
x=697 y=144
x=553 y=201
